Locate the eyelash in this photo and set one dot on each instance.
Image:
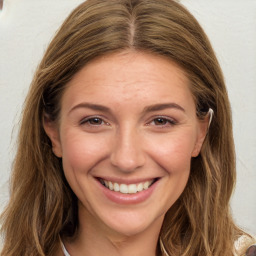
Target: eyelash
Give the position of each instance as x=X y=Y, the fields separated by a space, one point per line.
x=87 y=120
x=167 y=121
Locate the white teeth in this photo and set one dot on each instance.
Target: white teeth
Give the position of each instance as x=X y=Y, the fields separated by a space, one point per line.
x=139 y=187
x=116 y=187
x=132 y=188
x=124 y=188
x=146 y=185
x=110 y=185
x=127 y=189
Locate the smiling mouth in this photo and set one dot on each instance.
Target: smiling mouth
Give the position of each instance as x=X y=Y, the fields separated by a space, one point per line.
x=127 y=188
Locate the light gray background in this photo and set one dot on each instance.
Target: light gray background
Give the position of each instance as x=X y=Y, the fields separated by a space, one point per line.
x=27 y=26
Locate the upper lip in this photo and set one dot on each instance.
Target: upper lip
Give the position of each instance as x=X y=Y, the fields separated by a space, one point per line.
x=127 y=181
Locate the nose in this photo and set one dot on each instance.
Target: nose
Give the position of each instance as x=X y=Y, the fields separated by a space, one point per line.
x=127 y=153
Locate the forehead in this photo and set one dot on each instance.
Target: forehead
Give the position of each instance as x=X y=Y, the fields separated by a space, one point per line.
x=129 y=77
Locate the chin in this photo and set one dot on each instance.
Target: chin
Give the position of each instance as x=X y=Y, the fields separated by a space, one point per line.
x=132 y=223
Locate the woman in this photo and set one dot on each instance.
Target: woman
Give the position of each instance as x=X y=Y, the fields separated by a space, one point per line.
x=119 y=150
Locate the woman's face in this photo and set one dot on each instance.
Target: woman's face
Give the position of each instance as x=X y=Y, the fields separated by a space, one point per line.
x=126 y=135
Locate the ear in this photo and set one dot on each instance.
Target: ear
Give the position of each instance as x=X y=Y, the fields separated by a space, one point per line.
x=52 y=131
x=202 y=129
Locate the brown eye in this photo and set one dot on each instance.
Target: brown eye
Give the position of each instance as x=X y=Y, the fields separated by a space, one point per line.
x=93 y=121
x=160 y=121
x=163 y=121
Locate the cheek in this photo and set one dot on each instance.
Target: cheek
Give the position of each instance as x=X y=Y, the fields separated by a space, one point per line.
x=173 y=153
x=81 y=152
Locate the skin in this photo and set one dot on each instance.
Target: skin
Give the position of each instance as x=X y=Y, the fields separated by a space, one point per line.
x=125 y=140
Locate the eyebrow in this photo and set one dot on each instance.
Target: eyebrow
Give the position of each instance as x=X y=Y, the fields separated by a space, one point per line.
x=163 y=106
x=91 y=106
x=151 y=108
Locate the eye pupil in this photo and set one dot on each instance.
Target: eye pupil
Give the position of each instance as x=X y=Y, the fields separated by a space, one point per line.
x=95 y=121
x=160 y=121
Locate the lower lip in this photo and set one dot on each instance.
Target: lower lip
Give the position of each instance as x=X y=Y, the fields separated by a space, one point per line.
x=135 y=198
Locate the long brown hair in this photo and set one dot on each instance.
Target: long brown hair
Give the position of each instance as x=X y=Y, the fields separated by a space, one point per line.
x=42 y=206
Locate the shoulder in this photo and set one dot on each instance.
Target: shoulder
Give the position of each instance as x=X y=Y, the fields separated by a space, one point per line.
x=243 y=243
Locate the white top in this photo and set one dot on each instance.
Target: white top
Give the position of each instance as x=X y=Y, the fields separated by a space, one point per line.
x=64 y=250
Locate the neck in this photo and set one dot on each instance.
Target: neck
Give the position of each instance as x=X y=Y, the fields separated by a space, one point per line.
x=95 y=239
